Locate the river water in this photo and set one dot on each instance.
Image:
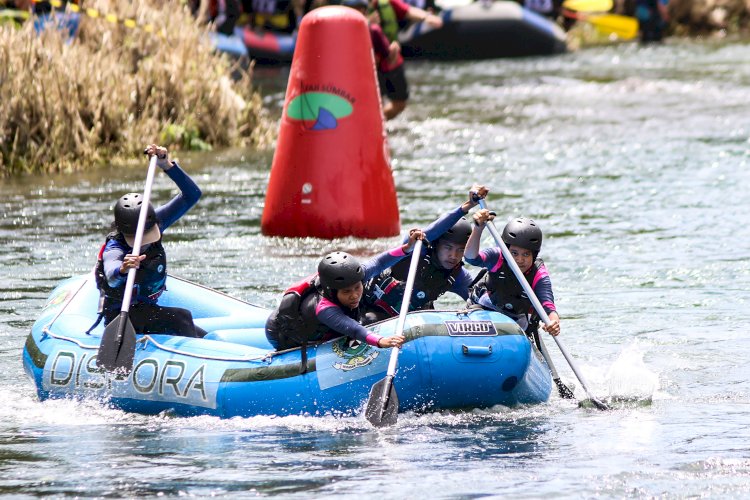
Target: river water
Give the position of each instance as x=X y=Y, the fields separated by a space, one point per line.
x=634 y=162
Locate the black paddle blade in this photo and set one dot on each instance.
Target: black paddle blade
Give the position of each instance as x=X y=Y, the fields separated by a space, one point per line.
x=382 y=405
x=564 y=390
x=599 y=404
x=593 y=402
x=117 y=349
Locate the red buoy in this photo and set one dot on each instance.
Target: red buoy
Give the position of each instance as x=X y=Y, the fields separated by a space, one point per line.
x=331 y=173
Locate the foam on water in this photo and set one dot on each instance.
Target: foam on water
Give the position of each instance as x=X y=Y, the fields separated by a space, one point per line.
x=629 y=379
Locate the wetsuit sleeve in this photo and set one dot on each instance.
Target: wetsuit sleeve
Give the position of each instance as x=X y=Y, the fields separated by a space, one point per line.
x=461 y=286
x=441 y=225
x=112 y=259
x=334 y=318
x=383 y=261
x=380 y=43
x=542 y=286
x=491 y=258
x=189 y=195
x=400 y=9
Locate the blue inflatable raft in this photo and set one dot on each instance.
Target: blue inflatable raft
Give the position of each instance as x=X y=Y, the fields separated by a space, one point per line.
x=450 y=360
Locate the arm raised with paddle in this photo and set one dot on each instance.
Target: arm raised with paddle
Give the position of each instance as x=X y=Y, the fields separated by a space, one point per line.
x=382 y=404
x=117 y=348
x=131 y=271
x=550 y=325
x=504 y=293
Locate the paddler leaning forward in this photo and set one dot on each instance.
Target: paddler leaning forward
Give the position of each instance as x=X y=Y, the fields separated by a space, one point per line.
x=328 y=304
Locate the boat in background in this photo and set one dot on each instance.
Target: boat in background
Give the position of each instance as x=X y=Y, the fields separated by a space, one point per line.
x=484 y=30
x=451 y=359
x=480 y=30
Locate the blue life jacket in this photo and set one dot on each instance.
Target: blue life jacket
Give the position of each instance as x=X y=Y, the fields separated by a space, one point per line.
x=150 y=277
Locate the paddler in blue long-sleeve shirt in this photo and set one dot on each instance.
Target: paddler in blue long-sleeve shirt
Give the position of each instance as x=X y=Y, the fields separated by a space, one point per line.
x=116 y=258
x=501 y=290
x=440 y=268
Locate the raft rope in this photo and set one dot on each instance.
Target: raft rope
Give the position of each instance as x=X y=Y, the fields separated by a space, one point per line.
x=148 y=338
x=65 y=306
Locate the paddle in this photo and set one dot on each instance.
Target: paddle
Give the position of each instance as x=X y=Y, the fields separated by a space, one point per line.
x=562 y=389
x=382 y=404
x=538 y=307
x=588 y=5
x=609 y=24
x=117 y=348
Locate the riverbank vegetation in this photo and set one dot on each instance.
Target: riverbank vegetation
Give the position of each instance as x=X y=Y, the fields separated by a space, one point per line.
x=103 y=94
x=710 y=17
x=701 y=17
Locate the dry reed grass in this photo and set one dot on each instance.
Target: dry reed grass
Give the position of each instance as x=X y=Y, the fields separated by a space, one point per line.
x=69 y=104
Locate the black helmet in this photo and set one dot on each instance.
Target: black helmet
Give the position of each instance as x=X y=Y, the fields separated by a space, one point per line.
x=127 y=212
x=355 y=3
x=339 y=270
x=524 y=233
x=459 y=233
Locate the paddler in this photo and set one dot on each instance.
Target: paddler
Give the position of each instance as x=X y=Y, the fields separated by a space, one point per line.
x=329 y=304
x=500 y=290
x=440 y=268
x=116 y=257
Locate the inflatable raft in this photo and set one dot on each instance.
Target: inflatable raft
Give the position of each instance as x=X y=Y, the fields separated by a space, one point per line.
x=481 y=30
x=484 y=30
x=450 y=360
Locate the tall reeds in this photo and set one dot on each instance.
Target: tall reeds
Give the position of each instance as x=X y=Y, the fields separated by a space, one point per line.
x=69 y=103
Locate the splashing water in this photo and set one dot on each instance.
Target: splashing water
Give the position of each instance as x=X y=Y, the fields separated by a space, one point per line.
x=629 y=379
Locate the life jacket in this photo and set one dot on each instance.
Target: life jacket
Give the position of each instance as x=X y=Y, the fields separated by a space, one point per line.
x=386 y=291
x=294 y=320
x=388 y=20
x=505 y=290
x=275 y=15
x=13 y=16
x=150 y=277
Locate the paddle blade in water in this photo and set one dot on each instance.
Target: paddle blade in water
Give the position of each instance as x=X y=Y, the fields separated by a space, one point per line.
x=117 y=349
x=564 y=390
x=382 y=405
x=588 y=5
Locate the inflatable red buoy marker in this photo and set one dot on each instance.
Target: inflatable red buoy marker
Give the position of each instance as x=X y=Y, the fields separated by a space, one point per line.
x=331 y=175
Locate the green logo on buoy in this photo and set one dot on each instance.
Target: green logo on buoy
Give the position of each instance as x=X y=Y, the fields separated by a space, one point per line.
x=322 y=108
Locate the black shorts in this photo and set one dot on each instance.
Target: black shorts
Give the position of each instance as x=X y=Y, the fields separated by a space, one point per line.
x=152 y=318
x=393 y=84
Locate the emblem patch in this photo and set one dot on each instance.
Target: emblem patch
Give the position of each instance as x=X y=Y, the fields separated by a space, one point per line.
x=355 y=354
x=343 y=361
